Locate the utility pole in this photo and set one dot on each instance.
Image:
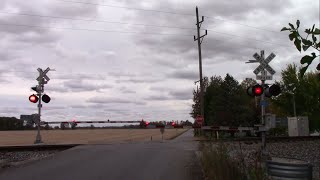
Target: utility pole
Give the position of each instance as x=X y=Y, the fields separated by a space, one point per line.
x=200 y=39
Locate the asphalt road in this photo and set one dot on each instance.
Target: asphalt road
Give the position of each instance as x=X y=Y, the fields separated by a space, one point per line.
x=174 y=159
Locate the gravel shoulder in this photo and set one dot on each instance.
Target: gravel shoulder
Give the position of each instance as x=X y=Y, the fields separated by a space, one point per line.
x=20 y=158
x=303 y=151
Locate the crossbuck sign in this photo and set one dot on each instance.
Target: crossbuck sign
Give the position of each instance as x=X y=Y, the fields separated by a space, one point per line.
x=43 y=75
x=263 y=66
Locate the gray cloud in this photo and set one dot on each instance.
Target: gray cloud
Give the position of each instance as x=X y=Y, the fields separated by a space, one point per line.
x=184 y=74
x=53 y=107
x=159 y=88
x=107 y=100
x=127 y=91
x=157 y=98
x=182 y=94
x=75 y=76
x=76 y=106
x=139 y=80
x=60 y=89
x=122 y=74
x=80 y=85
x=77 y=85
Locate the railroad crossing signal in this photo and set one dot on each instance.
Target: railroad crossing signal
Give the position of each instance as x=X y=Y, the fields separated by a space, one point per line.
x=42 y=79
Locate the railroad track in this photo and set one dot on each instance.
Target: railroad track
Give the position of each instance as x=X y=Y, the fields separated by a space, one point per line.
x=268 y=139
x=41 y=147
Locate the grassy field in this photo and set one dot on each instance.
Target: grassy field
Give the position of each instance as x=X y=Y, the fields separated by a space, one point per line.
x=86 y=136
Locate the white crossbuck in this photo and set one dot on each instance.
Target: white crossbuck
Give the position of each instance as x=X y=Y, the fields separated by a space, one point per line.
x=264 y=63
x=43 y=74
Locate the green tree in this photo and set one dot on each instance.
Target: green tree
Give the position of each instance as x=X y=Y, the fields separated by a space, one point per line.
x=303 y=90
x=226 y=103
x=196 y=110
x=47 y=127
x=305 y=43
x=11 y=123
x=248 y=82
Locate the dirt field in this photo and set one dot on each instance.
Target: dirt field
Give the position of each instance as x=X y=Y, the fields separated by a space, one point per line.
x=86 y=136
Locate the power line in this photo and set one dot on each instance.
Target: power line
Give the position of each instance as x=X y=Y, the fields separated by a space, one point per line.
x=124 y=7
x=95 y=30
x=218 y=32
x=167 y=12
x=231 y=22
x=92 y=20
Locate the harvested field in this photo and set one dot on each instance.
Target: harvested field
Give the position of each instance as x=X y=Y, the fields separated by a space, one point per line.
x=86 y=136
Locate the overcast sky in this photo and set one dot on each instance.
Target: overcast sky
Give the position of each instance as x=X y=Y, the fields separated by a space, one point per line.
x=132 y=63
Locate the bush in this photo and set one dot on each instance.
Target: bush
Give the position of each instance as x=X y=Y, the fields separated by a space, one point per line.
x=279 y=131
x=10 y=123
x=218 y=165
x=220 y=162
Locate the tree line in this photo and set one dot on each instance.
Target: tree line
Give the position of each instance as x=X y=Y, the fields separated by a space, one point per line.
x=226 y=102
x=11 y=123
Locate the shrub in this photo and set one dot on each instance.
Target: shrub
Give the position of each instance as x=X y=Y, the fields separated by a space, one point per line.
x=220 y=162
x=279 y=131
x=218 y=165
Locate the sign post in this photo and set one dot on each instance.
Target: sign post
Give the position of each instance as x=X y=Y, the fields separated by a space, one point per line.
x=162 y=131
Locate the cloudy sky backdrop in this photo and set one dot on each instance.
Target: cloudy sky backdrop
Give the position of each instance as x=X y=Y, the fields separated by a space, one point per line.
x=128 y=60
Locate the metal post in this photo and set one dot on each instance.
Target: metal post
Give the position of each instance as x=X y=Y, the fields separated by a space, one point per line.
x=294 y=106
x=38 y=137
x=263 y=110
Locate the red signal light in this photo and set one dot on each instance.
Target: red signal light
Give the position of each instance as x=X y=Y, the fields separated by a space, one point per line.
x=255 y=90
x=33 y=98
x=172 y=123
x=46 y=98
x=147 y=123
x=258 y=91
